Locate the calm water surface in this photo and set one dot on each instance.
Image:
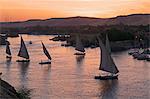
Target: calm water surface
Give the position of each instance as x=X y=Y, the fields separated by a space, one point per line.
x=72 y=77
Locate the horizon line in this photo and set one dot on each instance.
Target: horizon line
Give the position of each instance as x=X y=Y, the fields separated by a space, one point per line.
x=67 y=17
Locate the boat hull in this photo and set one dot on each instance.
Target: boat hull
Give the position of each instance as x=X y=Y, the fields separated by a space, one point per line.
x=79 y=53
x=106 y=77
x=133 y=51
x=22 y=60
x=8 y=57
x=142 y=57
x=42 y=63
x=135 y=55
x=148 y=59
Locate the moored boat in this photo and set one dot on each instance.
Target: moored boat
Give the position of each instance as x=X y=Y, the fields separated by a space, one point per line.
x=142 y=56
x=132 y=51
x=79 y=47
x=148 y=58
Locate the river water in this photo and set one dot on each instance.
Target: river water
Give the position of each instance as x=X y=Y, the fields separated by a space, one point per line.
x=72 y=77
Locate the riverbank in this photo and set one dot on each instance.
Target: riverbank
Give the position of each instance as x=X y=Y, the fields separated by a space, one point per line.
x=7 y=91
x=91 y=42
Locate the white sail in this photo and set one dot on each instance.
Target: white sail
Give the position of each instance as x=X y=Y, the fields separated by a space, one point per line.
x=108 y=44
x=107 y=63
x=46 y=52
x=79 y=45
x=8 y=49
x=23 y=52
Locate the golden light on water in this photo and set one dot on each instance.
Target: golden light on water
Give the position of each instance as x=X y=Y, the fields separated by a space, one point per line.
x=14 y=10
x=70 y=76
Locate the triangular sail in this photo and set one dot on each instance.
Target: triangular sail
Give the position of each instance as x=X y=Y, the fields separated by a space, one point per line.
x=108 y=44
x=46 y=52
x=8 y=49
x=23 y=50
x=107 y=63
x=79 y=45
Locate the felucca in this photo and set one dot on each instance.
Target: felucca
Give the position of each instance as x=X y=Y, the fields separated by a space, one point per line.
x=23 y=52
x=47 y=55
x=8 y=52
x=107 y=64
x=79 y=47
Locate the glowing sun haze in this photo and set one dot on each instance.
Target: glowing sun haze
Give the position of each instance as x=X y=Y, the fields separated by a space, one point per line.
x=17 y=10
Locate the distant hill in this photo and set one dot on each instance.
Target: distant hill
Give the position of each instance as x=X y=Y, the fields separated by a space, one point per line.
x=133 y=19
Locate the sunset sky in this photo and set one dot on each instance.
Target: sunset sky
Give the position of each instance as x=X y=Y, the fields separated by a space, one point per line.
x=18 y=10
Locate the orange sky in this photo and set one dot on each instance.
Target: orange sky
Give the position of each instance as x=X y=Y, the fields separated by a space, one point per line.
x=17 y=10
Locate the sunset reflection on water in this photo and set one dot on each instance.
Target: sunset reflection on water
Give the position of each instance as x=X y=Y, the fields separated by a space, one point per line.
x=70 y=76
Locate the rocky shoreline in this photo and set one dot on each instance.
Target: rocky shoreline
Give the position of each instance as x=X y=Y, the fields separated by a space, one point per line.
x=7 y=91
